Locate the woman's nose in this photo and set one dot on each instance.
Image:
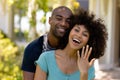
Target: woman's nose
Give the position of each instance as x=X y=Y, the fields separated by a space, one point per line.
x=79 y=34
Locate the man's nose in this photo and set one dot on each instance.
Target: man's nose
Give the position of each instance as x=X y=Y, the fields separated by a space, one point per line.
x=63 y=23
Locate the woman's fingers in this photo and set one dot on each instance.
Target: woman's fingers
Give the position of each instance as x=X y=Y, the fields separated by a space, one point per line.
x=92 y=62
x=78 y=54
x=89 y=52
x=86 y=52
x=83 y=49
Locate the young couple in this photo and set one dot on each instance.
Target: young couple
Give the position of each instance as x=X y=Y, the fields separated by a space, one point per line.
x=79 y=39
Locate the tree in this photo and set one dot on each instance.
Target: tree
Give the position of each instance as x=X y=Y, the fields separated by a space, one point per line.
x=20 y=8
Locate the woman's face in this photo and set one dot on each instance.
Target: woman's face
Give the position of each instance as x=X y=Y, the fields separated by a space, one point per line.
x=78 y=37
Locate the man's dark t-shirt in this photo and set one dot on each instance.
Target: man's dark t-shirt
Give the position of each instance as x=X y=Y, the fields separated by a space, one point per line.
x=31 y=54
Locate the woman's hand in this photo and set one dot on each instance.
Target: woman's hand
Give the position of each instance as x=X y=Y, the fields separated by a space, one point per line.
x=83 y=63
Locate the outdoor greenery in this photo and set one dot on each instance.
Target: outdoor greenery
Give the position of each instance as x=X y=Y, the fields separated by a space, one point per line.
x=23 y=7
x=11 y=54
x=9 y=59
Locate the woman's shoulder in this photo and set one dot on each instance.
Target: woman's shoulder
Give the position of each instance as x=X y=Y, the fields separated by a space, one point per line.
x=48 y=53
x=92 y=68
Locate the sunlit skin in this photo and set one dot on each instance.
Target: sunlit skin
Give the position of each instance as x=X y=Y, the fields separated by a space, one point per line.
x=78 y=37
x=59 y=22
x=69 y=56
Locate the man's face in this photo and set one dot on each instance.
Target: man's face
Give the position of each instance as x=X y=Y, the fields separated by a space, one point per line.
x=59 y=22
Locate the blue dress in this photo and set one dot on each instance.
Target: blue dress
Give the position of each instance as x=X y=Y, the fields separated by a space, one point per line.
x=47 y=63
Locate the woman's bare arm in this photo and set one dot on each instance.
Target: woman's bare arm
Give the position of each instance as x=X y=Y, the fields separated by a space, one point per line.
x=40 y=74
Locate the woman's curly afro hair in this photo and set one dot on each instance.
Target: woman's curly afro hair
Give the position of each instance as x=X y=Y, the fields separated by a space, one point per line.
x=96 y=28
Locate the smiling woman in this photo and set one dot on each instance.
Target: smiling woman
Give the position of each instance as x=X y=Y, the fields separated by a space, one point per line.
x=78 y=36
x=79 y=47
x=96 y=29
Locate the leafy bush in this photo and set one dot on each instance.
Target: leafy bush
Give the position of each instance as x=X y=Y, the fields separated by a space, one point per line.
x=9 y=59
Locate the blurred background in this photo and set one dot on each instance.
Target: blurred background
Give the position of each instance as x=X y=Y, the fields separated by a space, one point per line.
x=21 y=21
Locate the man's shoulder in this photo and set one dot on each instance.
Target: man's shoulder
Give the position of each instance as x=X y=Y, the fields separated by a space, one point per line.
x=31 y=54
x=35 y=44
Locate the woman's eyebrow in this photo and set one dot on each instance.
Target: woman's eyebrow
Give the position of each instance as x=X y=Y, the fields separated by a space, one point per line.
x=84 y=31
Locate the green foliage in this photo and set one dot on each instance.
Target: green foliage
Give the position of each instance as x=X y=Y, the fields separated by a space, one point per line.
x=9 y=59
x=23 y=35
x=42 y=4
x=33 y=19
x=43 y=20
x=21 y=6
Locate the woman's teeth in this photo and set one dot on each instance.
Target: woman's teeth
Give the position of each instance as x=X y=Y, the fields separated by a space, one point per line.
x=76 y=40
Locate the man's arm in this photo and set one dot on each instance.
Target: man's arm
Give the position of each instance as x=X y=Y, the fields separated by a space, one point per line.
x=28 y=75
x=31 y=54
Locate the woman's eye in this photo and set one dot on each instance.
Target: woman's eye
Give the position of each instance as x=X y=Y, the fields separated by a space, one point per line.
x=85 y=34
x=76 y=30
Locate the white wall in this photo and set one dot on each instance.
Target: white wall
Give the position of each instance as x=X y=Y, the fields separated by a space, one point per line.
x=106 y=9
x=3 y=19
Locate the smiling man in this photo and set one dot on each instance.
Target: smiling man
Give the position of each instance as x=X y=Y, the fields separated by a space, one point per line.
x=59 y=23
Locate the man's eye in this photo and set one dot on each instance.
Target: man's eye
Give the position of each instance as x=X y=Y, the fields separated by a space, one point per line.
x=68 y=20
x=59 y=18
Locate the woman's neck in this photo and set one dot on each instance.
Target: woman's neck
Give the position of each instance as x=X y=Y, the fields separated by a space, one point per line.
x=69 y=52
